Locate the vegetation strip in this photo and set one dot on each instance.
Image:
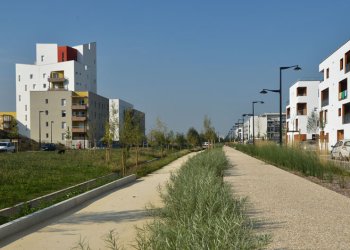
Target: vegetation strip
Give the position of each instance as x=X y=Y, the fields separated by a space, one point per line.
x=294 y=159
x=200 y=212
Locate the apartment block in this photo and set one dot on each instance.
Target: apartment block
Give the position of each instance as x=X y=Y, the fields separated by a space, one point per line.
x=56 y=68
x=303 y=100
x=334 y=101
x=68 y=116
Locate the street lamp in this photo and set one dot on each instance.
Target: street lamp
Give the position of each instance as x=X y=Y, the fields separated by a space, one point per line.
x=264 y=91
x=51 y=131
x=40 y=128
x=254 y=102
x=244 y=115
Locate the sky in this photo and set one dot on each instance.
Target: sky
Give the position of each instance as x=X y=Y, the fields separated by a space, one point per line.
x=181 y=60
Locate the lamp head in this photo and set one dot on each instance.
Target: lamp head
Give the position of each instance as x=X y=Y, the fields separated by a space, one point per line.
x=263 y=91
x=297 y=68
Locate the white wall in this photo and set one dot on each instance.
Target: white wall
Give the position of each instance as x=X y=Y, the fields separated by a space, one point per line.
x=120 y=107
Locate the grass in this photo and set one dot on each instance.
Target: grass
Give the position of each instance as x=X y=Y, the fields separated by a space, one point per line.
x=306 y=162
x=27 y=175
x=200 y=212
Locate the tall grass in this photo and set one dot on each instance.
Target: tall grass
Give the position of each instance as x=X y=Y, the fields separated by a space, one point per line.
x=199 y=211
x=306 y=162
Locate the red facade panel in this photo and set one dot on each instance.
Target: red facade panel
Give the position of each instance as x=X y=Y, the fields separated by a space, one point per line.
x=66 y=53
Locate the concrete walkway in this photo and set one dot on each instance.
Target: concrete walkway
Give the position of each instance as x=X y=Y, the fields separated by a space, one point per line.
x=121 y=210
x=296 y=212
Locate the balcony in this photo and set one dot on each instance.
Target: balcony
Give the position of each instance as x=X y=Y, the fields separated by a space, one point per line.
x=78 y=118
x=78 y=129
x=79 y=106
x=56 y=79
x=324 y=102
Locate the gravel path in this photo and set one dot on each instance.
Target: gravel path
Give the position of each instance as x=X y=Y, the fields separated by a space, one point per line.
x=121 y=210
x=297 y=213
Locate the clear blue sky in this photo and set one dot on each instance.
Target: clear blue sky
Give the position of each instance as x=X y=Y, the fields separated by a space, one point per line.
x=180 y=60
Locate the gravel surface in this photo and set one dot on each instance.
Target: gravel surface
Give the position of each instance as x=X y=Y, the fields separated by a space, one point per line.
x=298 y=214
x=121 y=210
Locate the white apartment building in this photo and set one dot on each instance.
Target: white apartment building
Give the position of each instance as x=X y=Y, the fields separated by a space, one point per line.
x=119 y=107
x=56 y=68
x=303 y=100
x=334 y=101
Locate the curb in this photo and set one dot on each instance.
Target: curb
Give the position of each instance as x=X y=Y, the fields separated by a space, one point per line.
x=35 y=218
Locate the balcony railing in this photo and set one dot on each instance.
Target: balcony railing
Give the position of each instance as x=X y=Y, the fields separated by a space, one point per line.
x=343 y=95
x=301 y=112
x=78 y=118
x=346 y=118
x=324 y=102
x=79 y=106
x=78 y=129
x=56 y=79
x=347 y=68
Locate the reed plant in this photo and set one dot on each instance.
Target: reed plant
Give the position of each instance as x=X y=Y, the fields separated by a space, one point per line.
x=292 y=158
x=199 y=211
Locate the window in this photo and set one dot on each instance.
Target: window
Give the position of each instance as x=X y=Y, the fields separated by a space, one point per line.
x=64 y=113
x=19 y=78
x=64 y=125
x=341 y=64
x=86 y=67
x=42 y=58
x=62 y=56
x=339 y=111
x=63 y=136
x=47 y=124
x=25 y=117
x=46 y=101
x=25 y=87
x=44 y=86
x=31 y=76
x=325 y=116
x=19 y=98
x=47 y=135
x=327 y=73
x=63 y=102
x=46 y=112
x=44 y=75
x=25 y=107
x=34 y=86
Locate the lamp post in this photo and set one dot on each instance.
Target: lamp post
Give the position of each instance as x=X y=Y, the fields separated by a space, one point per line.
x=254 y=102
x=51 y=131
x=40 y=128
x=249 y=123
x=264 y=91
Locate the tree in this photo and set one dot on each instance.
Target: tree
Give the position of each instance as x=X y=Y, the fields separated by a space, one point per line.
x=13 y=130
x=180 y=140
x=312 y=123
x=193 y=137
x=68 y=137
x=157 y=136
x=111 y=126
x=209 y=131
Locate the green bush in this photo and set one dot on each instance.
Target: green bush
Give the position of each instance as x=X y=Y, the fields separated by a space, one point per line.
x=199 y=211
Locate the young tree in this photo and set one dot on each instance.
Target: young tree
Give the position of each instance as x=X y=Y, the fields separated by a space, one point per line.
x=209 y=131
x=111 y=126
x=312 y=123
x=193 y=137
x=13 y=132
x=180 y=140
x=157 y=135
x=68 y=137
x=126 y=138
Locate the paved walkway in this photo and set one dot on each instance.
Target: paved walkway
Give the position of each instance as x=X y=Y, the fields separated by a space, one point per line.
x=296 y=212
x=121 y=210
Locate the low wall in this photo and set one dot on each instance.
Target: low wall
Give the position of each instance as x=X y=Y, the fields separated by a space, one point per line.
x=35 y=218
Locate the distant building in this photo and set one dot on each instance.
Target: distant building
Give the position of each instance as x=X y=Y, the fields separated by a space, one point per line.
x=77 y=117
x=117 y=109
x=303 y=97
x=56 y=68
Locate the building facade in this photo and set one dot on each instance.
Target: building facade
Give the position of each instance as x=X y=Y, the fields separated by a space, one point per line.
x=6 y=120
x=303 y=101
x=56 y=68
x=75 y=119
x=334 y=101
